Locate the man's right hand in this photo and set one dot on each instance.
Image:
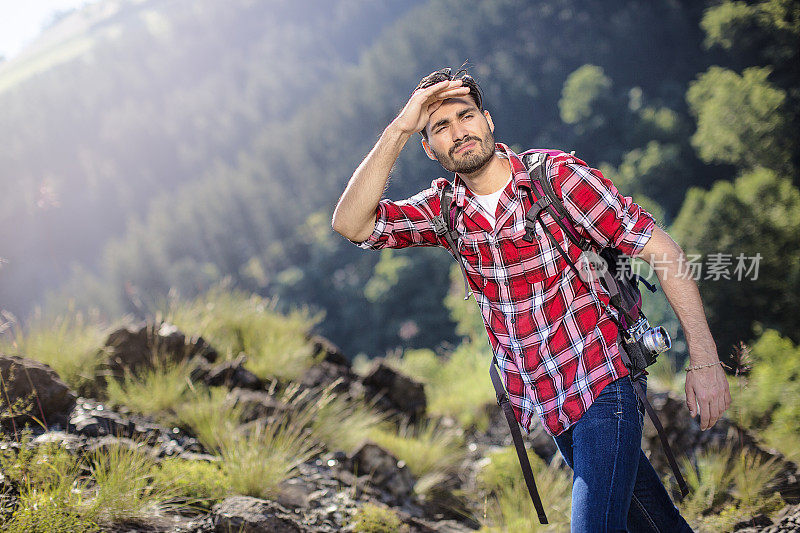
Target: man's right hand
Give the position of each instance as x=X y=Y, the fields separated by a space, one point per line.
x=424 y=102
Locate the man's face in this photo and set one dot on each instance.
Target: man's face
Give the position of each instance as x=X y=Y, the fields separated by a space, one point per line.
x=460 y=136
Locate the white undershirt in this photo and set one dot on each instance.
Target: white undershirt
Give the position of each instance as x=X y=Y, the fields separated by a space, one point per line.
x=489 y=201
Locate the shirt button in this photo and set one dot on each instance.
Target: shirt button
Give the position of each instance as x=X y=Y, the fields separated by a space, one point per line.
x=513 y=320
x=497 y=245
x=505 y=283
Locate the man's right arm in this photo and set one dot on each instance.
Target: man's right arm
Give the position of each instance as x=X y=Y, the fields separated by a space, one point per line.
x=354 y=216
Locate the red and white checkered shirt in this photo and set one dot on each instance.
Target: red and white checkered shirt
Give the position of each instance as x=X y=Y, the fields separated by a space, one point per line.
x=556 y=346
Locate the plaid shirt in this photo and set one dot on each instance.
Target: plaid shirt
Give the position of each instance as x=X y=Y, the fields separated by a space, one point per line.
x=556 y=346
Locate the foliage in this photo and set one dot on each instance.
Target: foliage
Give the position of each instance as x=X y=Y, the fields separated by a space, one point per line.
x=507 y=505
x=728 y=486
x=256 y=460
x=124 y=486
x=582 y=90
x=209 y=415
x=343 y=423
x=372 y=518
x=426 y=447
x=197 y=483
x=740 y=119
x=456 y=386
x=156 y=391
x=770 y=401
x=235 y=322
x=57 y=495
x=68 y=343
x=758 y=215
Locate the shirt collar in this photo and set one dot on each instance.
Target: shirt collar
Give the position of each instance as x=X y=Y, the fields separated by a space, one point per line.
x=520 y=175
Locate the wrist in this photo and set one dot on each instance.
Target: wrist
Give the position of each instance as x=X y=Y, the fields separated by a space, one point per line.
x=396 y=132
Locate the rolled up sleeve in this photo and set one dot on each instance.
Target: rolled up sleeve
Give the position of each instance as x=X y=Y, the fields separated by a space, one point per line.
x=406 y=222
x=612 y=220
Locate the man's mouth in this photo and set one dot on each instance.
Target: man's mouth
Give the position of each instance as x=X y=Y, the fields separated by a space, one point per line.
x=466 y=146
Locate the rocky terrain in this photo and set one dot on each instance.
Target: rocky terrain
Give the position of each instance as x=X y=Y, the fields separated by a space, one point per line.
x=324 y=492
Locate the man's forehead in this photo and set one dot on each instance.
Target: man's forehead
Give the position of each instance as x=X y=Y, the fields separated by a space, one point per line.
x=449 y=107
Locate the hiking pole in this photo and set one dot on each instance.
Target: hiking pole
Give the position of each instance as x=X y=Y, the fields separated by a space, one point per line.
x=502 y=401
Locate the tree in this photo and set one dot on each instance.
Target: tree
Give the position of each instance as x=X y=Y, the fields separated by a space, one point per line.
x=758 y=215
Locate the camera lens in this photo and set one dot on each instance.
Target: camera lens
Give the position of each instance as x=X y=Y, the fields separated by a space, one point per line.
x=656 y=339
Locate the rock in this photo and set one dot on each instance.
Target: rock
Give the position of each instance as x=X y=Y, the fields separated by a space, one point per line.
x=395 y=391
x=232 y=374
x=245 y=514
x=759 y=522
x=92 y=419
x=325 y=373
x=294 y=493
x=136 y=348
x=32 y=393
x=384 y=470
x=67 y=441
x=255 y=404
x=331 y=353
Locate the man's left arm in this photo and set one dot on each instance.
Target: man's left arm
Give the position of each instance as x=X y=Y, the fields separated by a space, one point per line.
x=707 y=391
x=614 y=220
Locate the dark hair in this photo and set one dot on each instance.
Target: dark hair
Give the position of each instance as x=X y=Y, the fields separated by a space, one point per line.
x=446 y=74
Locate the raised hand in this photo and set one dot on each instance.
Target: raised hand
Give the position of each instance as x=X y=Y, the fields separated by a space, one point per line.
x=424 y=102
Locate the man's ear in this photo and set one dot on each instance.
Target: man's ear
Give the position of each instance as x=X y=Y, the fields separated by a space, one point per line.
x=489 y=119
x=428 y=150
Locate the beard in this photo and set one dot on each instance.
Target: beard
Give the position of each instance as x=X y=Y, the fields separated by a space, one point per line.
x=475 y=158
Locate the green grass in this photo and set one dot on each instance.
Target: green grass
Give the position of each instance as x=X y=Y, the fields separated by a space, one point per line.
x=728 y=487
x=198 y=484
x=68 y=343
x=372 y=518
x=209 y=415
x=507 y=505
x=342 y=423
x=125 y=487
x=157 y=391
x=458 y=386
x=664 y=376
x=427 y=448
x=257 y=460
x=64 y=492
x=234 y=322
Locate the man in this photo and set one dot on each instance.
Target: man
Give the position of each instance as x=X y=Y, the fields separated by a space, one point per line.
x=554 y=341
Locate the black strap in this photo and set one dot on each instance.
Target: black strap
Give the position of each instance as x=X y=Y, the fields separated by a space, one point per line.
x=516 y=435
x=635 y=377
x=441 y=225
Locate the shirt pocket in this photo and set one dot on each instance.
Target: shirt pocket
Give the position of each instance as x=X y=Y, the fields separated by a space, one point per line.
x=470 y=255
x=540 y=259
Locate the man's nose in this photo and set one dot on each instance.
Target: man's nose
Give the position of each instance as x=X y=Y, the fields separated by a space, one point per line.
x=458 y=132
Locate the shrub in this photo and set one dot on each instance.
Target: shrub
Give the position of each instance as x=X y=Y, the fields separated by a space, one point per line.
x=372 y=518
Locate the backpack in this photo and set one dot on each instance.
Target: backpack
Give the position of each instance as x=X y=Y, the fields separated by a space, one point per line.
x=615 y=275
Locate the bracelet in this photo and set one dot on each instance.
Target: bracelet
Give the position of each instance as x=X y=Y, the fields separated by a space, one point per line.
x=698 y=367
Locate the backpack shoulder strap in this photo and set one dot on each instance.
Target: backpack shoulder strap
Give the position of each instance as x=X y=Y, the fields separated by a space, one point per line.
x=444 y=225
x=535 y=162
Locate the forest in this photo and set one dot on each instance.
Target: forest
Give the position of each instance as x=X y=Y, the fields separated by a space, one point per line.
x=160 y=152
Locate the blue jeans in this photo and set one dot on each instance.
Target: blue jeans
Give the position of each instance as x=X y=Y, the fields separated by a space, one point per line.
x=614 y=486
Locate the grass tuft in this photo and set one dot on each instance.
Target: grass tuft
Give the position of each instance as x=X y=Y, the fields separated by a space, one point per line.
x=234 y=322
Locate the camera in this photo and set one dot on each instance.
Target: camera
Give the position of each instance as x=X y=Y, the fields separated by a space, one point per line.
x=646 y=343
